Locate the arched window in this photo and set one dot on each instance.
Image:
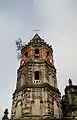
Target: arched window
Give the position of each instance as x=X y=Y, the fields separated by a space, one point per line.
x=36 y=51
x=18 y=109
x=56 y=109
x=36 y=107
x=26 y=54
x=36 y=75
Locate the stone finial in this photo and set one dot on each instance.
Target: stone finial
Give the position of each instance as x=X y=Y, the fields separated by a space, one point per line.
x=5 y=117
x=70 y=82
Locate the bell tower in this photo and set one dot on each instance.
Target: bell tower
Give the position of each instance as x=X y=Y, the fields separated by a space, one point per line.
x=36 y=95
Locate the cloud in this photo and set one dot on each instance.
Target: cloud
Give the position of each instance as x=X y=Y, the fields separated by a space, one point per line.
x=59 y=28
x=57 y=20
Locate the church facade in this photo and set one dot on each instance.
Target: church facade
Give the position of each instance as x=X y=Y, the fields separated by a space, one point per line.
x=37 y=96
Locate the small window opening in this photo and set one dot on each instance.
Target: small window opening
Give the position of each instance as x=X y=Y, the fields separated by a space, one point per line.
x=26 y=54
x=36 y=75
x=36 y=51
x=47 y=53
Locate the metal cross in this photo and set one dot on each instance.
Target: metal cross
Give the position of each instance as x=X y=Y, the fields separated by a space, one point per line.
x=36 y=30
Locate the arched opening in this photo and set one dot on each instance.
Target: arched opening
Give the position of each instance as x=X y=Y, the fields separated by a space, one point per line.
x=18 y=109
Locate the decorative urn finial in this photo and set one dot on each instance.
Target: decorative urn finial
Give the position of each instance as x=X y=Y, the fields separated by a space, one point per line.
x=5 y=117
x=70 y=82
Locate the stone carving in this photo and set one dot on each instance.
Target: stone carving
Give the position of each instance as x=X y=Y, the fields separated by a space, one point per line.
x=5 y=117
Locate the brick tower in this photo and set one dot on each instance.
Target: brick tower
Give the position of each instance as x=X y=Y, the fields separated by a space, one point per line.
x=36 y=95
